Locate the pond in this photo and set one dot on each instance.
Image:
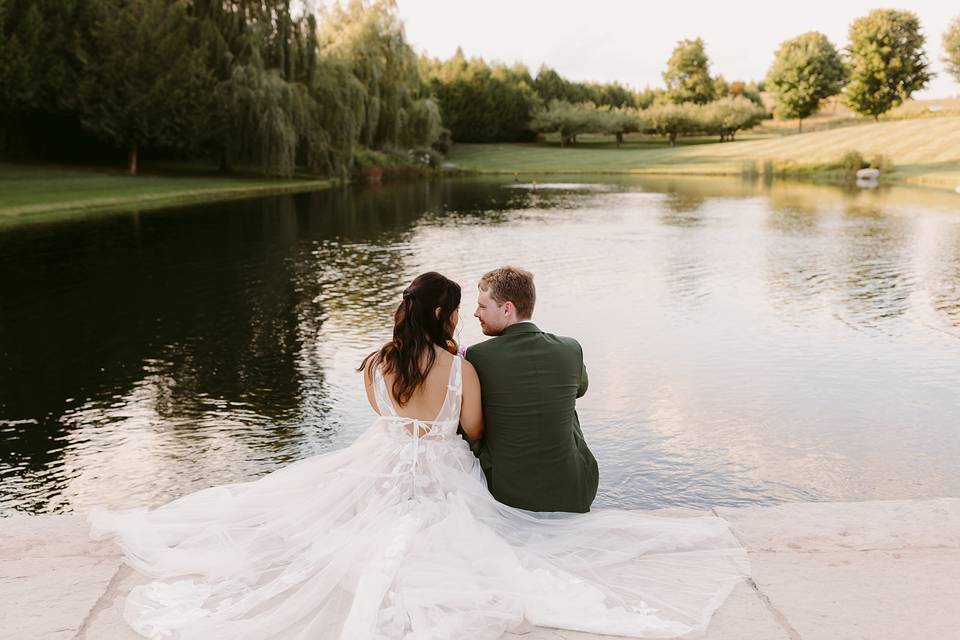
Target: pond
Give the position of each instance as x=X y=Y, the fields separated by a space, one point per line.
x=746 y=343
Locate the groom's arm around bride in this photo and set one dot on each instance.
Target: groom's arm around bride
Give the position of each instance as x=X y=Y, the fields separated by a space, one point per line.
x=533 y=452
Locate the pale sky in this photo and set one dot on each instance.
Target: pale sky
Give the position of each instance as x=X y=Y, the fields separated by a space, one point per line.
x=630 y=41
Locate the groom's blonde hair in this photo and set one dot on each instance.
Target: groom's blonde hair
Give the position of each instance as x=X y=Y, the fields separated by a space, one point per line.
x=511 y=284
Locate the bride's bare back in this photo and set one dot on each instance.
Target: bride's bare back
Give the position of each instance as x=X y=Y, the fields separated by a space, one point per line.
x=427 y=400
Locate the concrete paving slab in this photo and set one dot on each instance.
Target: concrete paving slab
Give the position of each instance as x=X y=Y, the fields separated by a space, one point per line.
x=837 y=526
x=743 y=616
x=50 y=598
x=105 y=621
x=864 y=595
x=881 y=569
x=49 y=537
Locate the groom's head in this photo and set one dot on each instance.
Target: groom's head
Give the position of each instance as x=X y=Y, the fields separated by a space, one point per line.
x=506 y=296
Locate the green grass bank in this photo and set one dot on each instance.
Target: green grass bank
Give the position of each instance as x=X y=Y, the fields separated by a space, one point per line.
x=923 y=151
x=28 y=190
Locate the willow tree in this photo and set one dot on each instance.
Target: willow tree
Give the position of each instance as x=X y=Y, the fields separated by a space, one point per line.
x=369 y=37
x=267 y=115
x=338 y=99
x=148 y=84
x=248 y=47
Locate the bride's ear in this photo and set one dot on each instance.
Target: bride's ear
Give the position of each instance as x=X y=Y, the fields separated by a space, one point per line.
x=436 y=312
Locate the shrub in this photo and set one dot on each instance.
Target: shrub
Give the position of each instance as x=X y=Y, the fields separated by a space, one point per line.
x=852 y=161
x=365 y=158
x=881 y=162
x=444 y=141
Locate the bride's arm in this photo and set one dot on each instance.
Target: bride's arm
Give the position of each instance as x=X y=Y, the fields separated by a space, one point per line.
x=471 y=410
x=368 y=386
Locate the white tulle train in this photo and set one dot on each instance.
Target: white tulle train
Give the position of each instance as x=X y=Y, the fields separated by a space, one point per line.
x=396 y=537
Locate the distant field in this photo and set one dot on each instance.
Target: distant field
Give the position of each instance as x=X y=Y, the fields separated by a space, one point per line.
x=923 y=150
x=834 y=113
x=28 y=190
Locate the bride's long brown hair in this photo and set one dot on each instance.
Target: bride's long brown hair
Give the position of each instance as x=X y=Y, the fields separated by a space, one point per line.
x=416 y=329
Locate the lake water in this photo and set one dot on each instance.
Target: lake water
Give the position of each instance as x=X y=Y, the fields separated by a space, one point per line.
x=746 y=344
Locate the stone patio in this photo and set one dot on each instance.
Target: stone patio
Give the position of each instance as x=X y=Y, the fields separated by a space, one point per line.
x=885 y=570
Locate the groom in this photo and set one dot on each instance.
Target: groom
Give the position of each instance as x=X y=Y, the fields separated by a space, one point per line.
x=533 y=452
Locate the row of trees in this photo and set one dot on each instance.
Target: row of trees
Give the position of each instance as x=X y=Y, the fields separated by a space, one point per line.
x=482 y=102
x=883 y=65
x=253 y=81
x=723 y=117
x=244 y=79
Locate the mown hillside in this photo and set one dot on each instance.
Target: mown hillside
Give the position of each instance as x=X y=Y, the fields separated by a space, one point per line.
x=925 y=150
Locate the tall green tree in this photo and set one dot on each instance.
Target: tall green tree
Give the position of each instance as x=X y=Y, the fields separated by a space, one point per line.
x=951 y=48
x=550 y=85
x=688 y=73
x=805 y=71
x=480 y=102
x=43 y=45
x=148 y=84
x=886 y=61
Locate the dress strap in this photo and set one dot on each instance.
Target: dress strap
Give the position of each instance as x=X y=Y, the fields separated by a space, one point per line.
x=455 y=382
x=382 y=394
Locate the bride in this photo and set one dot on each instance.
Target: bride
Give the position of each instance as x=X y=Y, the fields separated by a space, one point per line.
x=397 y=537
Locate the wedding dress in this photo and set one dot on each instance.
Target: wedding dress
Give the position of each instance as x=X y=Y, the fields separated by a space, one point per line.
x=396 y=537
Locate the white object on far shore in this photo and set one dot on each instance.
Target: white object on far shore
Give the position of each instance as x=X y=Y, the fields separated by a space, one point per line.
x=868 y=174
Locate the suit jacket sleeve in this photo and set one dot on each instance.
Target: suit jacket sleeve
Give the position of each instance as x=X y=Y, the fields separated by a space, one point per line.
x=584 y=382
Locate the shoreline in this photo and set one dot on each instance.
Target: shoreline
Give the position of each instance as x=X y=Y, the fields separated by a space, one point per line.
x=917 y=152
x=87 y=191
x=826 y=178
x=832 y=570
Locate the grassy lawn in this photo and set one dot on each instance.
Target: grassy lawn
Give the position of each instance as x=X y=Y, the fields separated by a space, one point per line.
x=923 y=150
x=27 y=190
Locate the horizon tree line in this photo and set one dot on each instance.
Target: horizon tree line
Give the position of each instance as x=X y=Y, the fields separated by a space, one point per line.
x=249 y=83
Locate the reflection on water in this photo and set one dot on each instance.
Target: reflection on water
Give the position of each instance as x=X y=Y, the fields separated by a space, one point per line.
x=747 y=344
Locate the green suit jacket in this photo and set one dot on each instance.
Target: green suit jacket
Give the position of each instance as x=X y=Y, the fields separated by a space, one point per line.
x=533 y=452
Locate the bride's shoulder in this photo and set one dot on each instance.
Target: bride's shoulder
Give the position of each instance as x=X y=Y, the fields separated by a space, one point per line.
x=372 y=362
x=469 y=376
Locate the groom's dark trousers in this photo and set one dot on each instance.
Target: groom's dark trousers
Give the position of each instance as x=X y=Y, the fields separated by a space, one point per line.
x=533 y=452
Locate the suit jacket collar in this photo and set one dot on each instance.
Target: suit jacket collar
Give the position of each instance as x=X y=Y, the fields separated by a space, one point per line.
x=520 y=327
